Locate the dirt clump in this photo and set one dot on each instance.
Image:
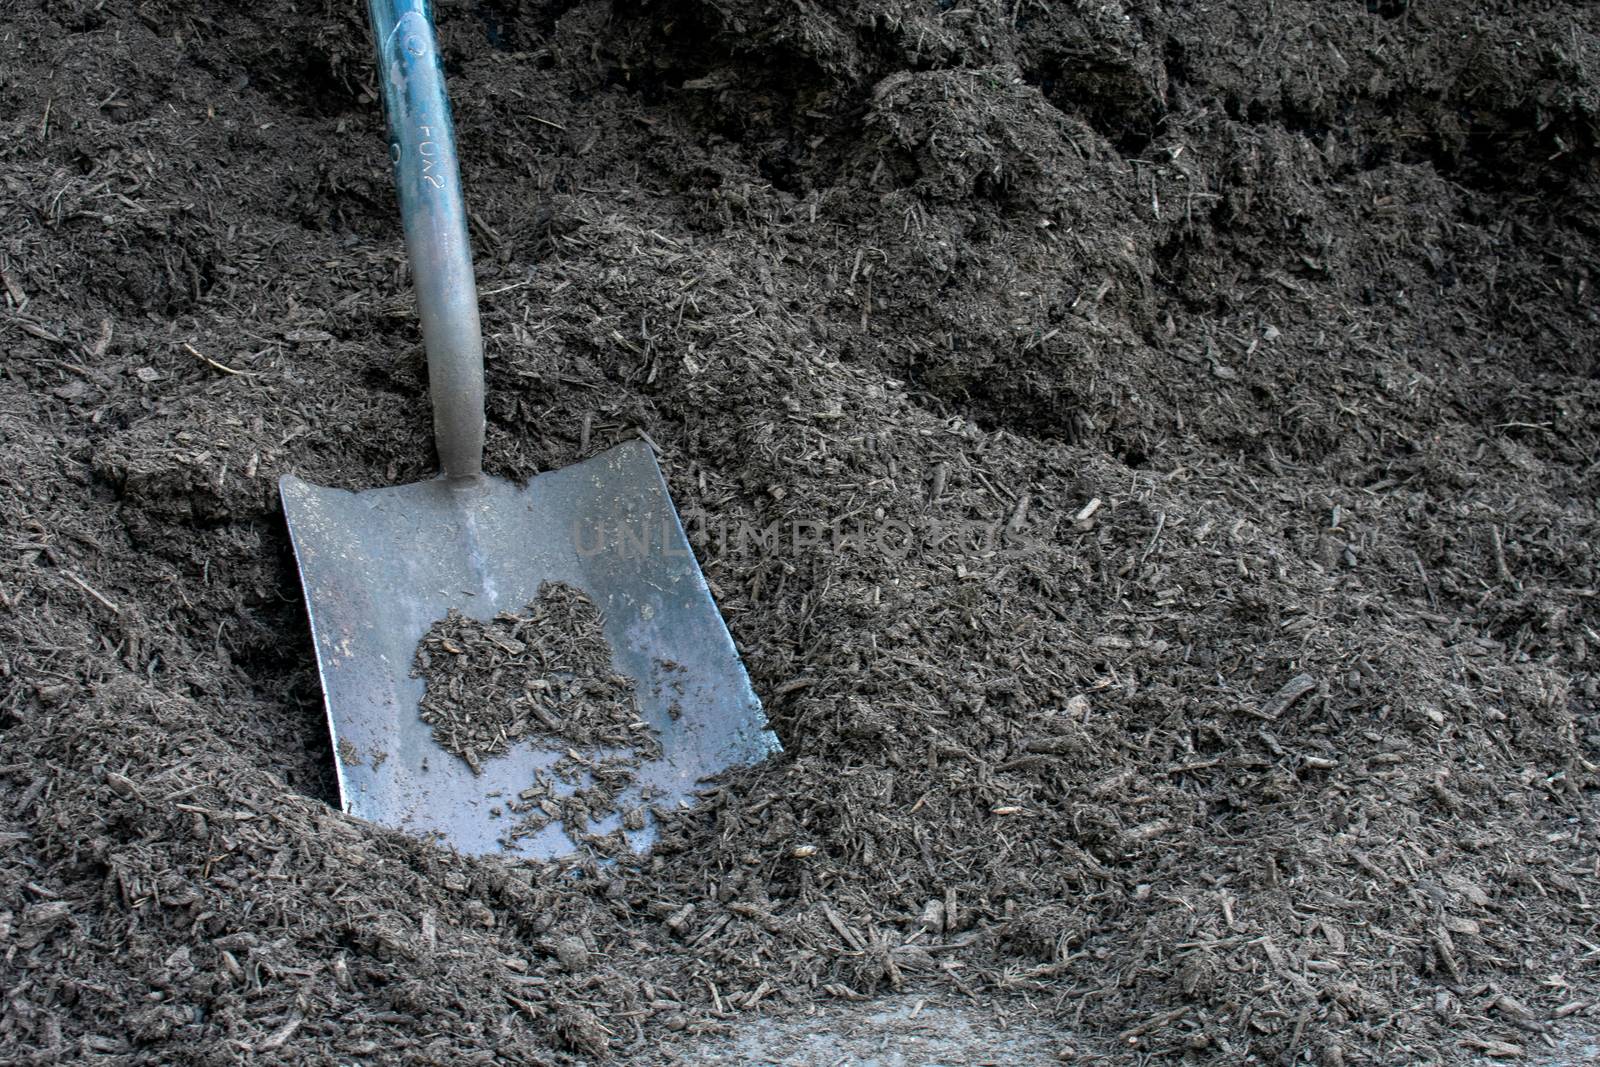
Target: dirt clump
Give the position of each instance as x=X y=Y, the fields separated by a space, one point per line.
x=1207 y=394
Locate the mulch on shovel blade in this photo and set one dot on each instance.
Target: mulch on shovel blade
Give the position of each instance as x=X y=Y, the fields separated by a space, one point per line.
x=542 y=672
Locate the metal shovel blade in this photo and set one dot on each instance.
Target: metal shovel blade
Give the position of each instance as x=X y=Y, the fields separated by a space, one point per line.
x=380 y=567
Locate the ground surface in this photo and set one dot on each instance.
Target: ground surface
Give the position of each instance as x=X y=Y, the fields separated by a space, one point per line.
x=1210 y=393
x=895 y=1031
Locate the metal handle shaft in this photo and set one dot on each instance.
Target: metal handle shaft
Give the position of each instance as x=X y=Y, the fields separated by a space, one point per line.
x=422 y=146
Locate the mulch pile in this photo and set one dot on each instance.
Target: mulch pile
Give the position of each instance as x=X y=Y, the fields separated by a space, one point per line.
x=1209 y=394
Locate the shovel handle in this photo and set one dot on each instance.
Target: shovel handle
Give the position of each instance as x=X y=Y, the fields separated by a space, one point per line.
x=422 y=146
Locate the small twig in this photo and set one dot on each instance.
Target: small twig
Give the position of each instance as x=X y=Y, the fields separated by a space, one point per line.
x=1020 y=515
x=484 y=228
x=485 y=294
x=18 y=297
x=1500 y=567
x=1427 y=586
x=547 y=122
x=1161 y=524
x=35 y=330
x=92 y=591
x=1279 y=702
x=102 y=342
x=202 y=357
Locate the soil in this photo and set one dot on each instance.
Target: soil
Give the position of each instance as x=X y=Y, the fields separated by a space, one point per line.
x=544 y=672
x=1226 y=374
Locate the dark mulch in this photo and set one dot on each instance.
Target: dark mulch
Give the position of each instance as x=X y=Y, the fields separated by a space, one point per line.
x=543 y=672
x=1172 y=435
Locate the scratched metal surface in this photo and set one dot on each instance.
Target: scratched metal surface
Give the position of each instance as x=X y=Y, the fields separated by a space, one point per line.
x=379 y=567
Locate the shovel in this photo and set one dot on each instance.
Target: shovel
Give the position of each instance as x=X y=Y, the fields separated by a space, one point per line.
x=381 y=567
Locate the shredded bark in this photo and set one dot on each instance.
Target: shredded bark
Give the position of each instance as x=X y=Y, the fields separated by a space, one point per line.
x=544 y=672
x=1145 y=453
